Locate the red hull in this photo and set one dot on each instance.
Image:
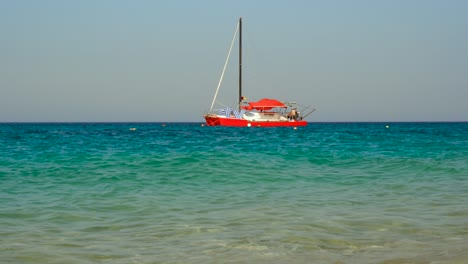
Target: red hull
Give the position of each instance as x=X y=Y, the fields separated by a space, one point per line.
x=234 y=122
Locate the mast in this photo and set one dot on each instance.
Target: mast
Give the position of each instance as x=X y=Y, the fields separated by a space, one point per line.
x=240 y=62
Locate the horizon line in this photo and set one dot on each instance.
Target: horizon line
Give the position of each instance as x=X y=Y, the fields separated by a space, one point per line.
x=202 y=122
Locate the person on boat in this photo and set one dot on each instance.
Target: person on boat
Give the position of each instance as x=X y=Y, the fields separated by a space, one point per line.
x=292 y=115
x=298 y=116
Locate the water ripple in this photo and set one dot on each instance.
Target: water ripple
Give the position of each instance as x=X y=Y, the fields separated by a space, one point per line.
x=327 y=193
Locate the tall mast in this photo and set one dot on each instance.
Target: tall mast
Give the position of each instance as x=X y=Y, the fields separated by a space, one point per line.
x=240 y=62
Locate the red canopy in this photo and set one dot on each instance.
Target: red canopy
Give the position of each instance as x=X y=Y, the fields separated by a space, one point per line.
x=264 y=104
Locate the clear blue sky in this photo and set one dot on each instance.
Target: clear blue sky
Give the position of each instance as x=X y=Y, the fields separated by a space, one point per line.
x=113 y=60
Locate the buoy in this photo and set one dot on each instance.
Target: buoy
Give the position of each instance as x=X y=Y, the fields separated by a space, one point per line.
x=132 y=129
x=387 y=126
x=202 y=125
x=249 y=124
x=295 y=128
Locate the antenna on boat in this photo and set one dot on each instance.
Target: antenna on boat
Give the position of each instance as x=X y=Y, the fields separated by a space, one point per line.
x=240 y=62
x=306 y=115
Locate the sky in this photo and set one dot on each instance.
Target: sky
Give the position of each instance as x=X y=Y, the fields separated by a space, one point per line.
x=160 y=61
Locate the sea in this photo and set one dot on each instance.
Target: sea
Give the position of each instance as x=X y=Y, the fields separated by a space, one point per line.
x=81 y=193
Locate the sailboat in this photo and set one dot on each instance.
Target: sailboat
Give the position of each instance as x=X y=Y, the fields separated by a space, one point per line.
x=266 y=112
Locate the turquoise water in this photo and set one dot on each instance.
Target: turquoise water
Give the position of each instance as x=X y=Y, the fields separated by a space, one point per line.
x=183 y=193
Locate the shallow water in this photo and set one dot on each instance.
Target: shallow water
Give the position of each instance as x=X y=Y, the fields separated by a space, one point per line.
x=183 y=193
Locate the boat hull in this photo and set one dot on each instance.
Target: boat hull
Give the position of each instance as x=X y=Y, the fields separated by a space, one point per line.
x=236 y=122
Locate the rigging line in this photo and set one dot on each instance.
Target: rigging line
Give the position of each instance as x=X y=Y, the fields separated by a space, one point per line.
x=224 y=68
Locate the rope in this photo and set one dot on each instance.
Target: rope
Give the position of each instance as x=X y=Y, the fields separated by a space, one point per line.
x=224 y=68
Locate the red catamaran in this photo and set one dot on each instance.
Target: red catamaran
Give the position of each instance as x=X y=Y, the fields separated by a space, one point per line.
x=263 y=113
